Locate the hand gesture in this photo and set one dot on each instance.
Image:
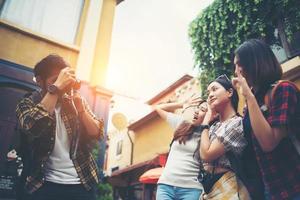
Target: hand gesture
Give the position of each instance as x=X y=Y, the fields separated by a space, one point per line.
x=65 y=78
x=210 y=115
x=192 y=102
x=78 y=101
x=240 y=84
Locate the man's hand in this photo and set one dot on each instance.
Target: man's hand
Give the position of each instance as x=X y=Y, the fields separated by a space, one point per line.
x=65 y=78
x=78 y=101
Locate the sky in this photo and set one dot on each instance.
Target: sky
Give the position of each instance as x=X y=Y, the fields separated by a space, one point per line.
x=150 y=47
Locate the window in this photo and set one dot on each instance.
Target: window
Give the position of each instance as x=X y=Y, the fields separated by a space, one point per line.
x=285 y=49
x=119 y=147
x=279 y=52
x=54 y=18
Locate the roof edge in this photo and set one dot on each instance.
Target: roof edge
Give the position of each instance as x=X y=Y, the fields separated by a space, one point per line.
x=180 y=81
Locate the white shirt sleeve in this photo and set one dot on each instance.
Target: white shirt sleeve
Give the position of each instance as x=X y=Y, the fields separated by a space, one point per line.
x=174 y=120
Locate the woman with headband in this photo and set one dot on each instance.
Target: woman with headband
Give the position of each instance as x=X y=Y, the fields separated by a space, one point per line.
x=224 y=136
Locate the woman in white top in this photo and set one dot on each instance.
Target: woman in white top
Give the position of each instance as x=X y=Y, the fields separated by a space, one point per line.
x=179 y=179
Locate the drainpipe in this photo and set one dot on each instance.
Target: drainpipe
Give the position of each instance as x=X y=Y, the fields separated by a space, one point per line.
x=131 y=151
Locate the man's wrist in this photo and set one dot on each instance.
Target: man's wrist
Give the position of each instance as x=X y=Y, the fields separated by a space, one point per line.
x=53 y=89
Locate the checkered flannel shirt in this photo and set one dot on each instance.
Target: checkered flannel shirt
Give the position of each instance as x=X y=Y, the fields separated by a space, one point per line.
x=281 y=167
x=39 y=126
x=230 y=133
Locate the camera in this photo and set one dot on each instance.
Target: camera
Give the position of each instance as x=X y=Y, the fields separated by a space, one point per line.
x=76 y=85
x=72 y=87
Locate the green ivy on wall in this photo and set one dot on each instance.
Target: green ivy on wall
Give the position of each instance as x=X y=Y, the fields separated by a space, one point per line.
x=225 y=24
x=104 y=190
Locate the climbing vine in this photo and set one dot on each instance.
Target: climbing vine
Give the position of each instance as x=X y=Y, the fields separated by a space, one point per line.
x=219 y=29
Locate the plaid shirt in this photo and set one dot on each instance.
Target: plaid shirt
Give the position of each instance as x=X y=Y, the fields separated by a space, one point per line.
x=230 y=133
x=39 y=126
x=280 y=168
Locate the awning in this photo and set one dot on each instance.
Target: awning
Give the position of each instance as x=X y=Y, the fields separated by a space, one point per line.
x=151 y=176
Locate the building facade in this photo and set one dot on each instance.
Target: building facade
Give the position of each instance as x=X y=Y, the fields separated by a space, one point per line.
x=78 y=30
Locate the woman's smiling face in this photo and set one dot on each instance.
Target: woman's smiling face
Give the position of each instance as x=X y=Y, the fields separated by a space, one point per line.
x=217 y=95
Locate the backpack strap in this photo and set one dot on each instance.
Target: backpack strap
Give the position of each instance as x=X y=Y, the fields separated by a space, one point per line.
x=268 y=100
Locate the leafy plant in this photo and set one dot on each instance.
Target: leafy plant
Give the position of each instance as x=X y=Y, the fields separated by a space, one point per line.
x=225 y=24
x=104 y=191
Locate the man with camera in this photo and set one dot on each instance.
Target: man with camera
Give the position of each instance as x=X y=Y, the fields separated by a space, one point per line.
x=60 y=132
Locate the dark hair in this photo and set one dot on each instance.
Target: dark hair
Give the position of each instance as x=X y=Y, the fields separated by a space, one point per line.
x=234 y=100
x=226 y=83
x=259 y=64
x=47 y=65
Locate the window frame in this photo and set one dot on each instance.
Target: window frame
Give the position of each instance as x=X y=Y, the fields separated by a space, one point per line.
x=74 y=45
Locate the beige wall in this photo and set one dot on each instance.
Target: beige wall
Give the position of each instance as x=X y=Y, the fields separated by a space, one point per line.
x=26 y=48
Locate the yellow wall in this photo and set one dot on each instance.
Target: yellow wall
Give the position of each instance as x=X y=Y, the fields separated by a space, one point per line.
x=24 y=47
x=151 y=140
